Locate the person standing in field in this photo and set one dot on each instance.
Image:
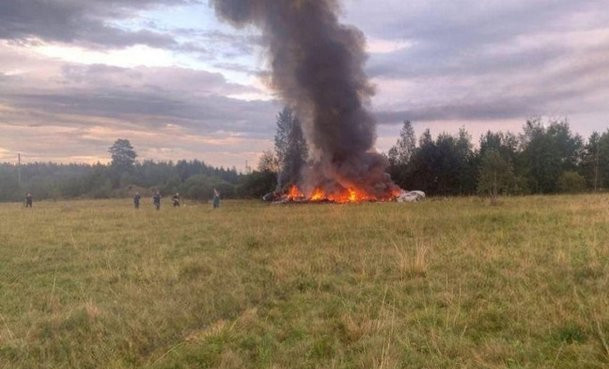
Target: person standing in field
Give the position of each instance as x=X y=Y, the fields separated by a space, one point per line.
x=136 y=200
x=28 y=200
x=156 y=200
x=216 y=199
x=176 y=200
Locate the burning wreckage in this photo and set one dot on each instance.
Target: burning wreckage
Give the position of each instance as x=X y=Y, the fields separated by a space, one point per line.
x=317 y=69
x=350 y=195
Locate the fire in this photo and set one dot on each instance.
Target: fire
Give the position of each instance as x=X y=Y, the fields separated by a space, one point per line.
x=352 y=195
x=295 y=194
x=318 y=195
x=348 y=195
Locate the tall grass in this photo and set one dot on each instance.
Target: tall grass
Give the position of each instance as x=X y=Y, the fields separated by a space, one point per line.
x=441 y=284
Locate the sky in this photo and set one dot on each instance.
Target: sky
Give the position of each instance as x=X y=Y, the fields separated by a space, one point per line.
x=75 y=75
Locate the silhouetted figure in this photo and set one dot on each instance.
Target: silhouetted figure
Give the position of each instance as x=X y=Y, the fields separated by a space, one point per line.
x=136 y=200
x=176 y=200
x=156 y=200
x=216 y=199
x=28 y=200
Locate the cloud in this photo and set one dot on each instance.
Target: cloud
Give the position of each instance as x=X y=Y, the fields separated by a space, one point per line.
x=90 y=144
x=438 y=62
x=81 y=22
x=86 y=107
x=491 y=60
x=99 y=25
x=469 y=23
x=218 y=44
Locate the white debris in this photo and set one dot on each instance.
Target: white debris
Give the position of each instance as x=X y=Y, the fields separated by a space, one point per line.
x=411 y=196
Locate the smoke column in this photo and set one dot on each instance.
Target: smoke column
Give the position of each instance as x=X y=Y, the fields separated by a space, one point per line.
x=317 y=69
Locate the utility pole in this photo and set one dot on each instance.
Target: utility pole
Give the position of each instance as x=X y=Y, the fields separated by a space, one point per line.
x=19 y=169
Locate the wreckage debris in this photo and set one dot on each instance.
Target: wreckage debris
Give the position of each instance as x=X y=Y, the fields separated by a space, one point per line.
x=318 y=196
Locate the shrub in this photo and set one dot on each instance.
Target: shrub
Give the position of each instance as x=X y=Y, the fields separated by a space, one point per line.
x=571 y=182
x=257 y=184
x=201 y=187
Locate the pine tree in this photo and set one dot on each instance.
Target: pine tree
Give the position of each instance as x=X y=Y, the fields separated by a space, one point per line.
x=590 y=161
x=290 y=148
x=402 y=152
x=123 y=155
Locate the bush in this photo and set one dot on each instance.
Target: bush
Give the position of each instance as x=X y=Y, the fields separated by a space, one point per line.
x=571 y=182
x=201 y=187
x=104 y=191
x=257 y=184
x=520 y=186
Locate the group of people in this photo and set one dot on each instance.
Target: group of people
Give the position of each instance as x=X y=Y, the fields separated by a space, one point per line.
x=156 y=200
x=175 y=200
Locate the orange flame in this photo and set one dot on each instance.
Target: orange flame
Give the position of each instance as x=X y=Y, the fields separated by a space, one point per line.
x=348 y=195
x=318 y=195
x=351 y=195
x=295 y=194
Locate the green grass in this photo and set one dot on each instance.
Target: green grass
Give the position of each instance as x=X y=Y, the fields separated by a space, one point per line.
x=442 y=284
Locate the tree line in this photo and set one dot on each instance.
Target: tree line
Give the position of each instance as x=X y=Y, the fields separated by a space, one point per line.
x=121 y=177
x=545 y=158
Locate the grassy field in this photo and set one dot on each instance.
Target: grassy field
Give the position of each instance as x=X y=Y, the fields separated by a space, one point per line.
x=441 y=284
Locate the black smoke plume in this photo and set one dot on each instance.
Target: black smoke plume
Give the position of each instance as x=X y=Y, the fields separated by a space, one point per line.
x=317 y=69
